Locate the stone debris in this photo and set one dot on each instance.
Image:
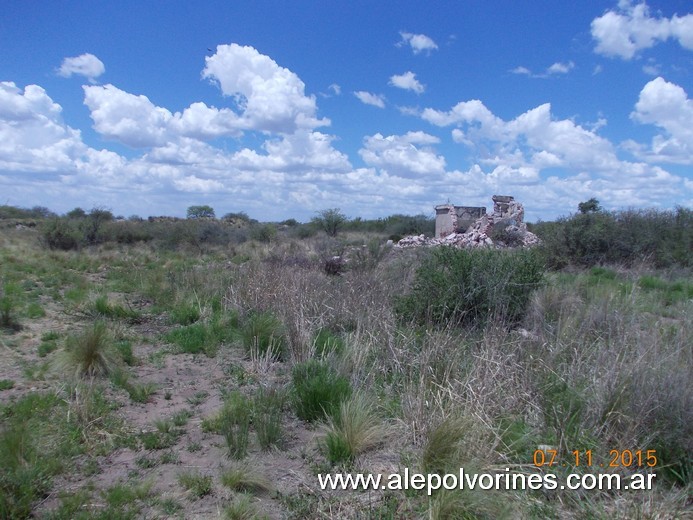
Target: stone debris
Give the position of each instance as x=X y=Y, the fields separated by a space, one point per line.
x=508 y=215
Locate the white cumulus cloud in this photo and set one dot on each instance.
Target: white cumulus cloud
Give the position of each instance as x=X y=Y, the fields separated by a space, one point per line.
x=630 y=28
x=418 y=42
x=408 y=155
x=560 y=68
x=135 y=121
x=407 y=81
x=668 y=107
x=370 y=99
x=33 y=136
x=556 y=68
x=86 y=65
x=270 y=98
x=519 y=151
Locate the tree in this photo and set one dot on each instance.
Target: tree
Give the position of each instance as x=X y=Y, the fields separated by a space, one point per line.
x=330 y=220
x=197 y=212
x=93 y=223
x=590 y=206
x=76 y=213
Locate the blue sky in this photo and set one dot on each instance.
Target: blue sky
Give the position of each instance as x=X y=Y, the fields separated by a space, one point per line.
x=281 y=109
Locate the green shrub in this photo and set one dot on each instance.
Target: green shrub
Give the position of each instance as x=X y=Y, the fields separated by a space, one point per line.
x=61 y=234
x=9 y=295
x=242 y=508
x=462 y=287
x=663 y=238
x=652 y=282
x=443 y=450
x=264 y=233
x=318 y=390
x=263 y=334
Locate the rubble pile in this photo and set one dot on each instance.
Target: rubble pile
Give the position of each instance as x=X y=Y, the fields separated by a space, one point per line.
x=508 y=215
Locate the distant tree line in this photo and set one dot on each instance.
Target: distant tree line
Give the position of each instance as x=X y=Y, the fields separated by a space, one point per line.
x=590 y=237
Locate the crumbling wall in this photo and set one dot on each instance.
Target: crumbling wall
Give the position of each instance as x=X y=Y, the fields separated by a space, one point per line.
x=446 y=220
x=456 y=219
x=508 y=215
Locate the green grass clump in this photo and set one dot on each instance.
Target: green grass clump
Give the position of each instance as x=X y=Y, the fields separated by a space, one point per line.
x=243 y=476
x=327 y=342
x=36 y=443
x=34 y=310
x=318 y=390
x=443 y=449
x=46 y=347
x=124 y=348
x=125 y=495
x=139 y=393
x=196 y=484
x=6 y=384
x=242 y=508
x=192 y=339
x=267 y=416
x=263 y=334
x=185 y=314
x=50 y=336
x=204 y=337
x=354 y=430
x=102 y=307
x=234 y=424
x=89 y=354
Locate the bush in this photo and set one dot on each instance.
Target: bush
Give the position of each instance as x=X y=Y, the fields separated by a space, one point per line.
x=9 y=294
x=318 y=390
x=264 y=233
x=663 y=238
x=61 y=234
x=469 y=288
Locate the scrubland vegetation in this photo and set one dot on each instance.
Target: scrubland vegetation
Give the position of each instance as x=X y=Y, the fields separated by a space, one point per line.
x=211 y=367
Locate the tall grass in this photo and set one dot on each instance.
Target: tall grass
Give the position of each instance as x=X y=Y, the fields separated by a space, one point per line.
x=353 y=430
x=90 y=353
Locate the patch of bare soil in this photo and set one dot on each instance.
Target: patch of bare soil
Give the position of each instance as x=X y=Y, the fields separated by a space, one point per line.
x=185 y=384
